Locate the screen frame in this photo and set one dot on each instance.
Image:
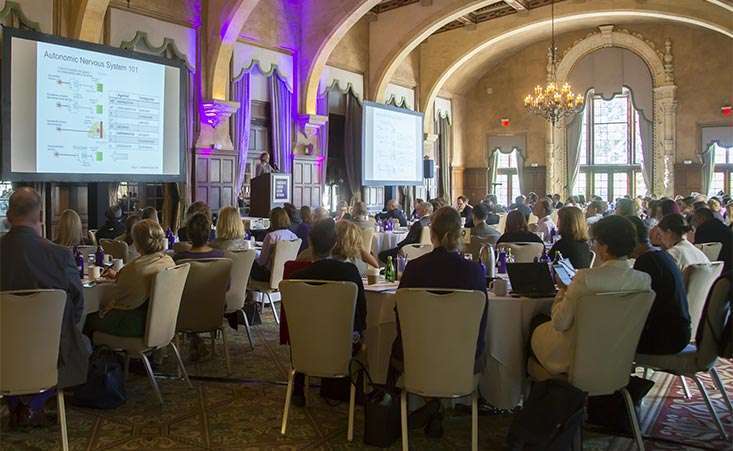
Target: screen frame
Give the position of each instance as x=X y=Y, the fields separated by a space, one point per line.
x=383 y=106
x=5 y=168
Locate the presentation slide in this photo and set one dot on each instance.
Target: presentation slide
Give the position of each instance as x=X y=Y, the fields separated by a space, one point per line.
x=76 y=113
x=392 y=146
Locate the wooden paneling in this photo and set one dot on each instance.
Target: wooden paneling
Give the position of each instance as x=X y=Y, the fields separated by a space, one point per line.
x=457 y=183
x=687 y=178
x=67 y=196
x=534 y=180
x=475 y=183
x=215 y=178
x=374 y=197
x=307 y=183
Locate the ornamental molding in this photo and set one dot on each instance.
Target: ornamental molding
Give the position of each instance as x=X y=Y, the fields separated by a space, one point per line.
x=12 y=15
x=168 y=49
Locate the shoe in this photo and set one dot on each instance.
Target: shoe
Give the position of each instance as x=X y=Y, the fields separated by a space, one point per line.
x=421 y=417
x=434 y=428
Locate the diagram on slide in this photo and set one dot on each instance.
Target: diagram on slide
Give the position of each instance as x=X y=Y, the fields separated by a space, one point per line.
x=395 y=140
x=96 y=116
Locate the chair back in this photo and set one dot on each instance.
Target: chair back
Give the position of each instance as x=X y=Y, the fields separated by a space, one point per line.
x=523 y=252
x=92 y=236
x=593 y=260
x=425 y=235
x=115 y=248
x=607 y=329
x=204 y=296
x=242 y=261
x=181 y=246
x=29 y=360
x=711 y=331
x=413 y=251
x=474 y=247
x=439 y=334
x=320 y=324
x=501 y=226
x=165 y=302
x=285 y=251
x=699 y=280
x=367 y=235
x=711 y=250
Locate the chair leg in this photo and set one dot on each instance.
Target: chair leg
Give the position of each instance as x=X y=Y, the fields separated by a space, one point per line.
x=248 y=330
x=151 y=376
x=685 y=388
x=718 y=383
x=62 y=420
x=286 y=409
x=633 y=418
x=127 y=365
x=213 y=343
x=306 y=386
x=272 y=306
x=403 y=421
x=226 y=351
x=181 y=369
x=711 y=408
x=352 y=404
x=474 y=421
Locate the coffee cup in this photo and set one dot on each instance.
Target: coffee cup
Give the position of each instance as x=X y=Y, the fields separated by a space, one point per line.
x=108 y=259
x=95 y=272
x=372 y=275
x=499 y=287
x=117 y=264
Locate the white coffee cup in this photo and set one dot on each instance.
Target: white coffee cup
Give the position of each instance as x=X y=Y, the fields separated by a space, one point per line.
x=117 y=264
x=499 y=287
x=95 y=272
x=108 y=259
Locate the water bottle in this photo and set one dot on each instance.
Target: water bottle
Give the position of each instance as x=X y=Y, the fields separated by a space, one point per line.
x=99 y=256
x=401 y=264
x=487 y=259
x=79 y=262
x=389 y=270
x=545 y=258
x=501 y=262
x=171 y=238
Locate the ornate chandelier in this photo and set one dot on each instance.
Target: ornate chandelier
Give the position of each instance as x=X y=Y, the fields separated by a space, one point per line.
x=551 y=101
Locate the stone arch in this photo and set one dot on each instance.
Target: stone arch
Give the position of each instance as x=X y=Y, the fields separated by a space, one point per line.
x=89 y=21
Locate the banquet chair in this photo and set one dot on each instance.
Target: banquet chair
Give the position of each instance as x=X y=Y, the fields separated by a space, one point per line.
x=699 y=280
x=593 y=260
x=607 y=329
x=29 y=361
x=425 y=235
x=711 y=250
x=702 y=356
x=115 y=248
x=160 y=325
x=367 y=236
x=285 y=251
x=413 y=251
x=439 y=334
x=242 y=261
x=501 y=226
x=474 y=247
x=204 y=300
x=523 y=252
x=321 y=325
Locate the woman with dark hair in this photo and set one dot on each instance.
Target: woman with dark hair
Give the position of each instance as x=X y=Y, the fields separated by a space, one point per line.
x=574 y=242
x=614 y=240
x=199 y=227
x=516 y=230
x=197 y=207
x=673 y=235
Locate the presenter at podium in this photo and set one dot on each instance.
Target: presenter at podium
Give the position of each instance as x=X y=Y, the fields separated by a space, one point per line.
x=263 y=166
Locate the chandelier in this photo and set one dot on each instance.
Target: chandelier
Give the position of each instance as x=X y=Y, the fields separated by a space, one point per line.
x=553 y=102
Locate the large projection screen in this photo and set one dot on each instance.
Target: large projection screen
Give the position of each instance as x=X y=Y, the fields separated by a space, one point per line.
x=79 y=112
x=392 y=143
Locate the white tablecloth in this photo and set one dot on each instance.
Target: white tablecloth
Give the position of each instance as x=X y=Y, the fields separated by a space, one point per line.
x=381 y=330
x=386 y=240
x=93 y=296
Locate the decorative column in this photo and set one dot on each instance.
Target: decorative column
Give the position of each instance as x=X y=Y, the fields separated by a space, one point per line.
x=555 y=152
x=665 y=128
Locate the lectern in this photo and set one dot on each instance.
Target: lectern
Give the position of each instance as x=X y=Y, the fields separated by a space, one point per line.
x=267 y=192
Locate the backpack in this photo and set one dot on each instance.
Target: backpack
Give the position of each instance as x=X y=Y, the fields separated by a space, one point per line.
x=105 y=385
x=550 y=420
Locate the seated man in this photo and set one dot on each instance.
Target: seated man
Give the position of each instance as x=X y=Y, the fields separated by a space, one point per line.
x=392 y=211
x=482 y=230
x=595 y=211
x=322 y=241
x=29 y=261
x=708 y=229
x=424 y=210
x=520 y=203
x=114 y=226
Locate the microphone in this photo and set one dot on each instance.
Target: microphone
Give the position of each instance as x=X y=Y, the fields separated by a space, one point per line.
x=274 y=166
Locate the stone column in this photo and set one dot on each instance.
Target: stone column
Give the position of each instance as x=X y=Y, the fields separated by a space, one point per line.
x=665 y=141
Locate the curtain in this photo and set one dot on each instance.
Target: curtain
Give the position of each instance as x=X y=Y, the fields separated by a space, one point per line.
x=444 y=154
x=493 y=163
x=183 y=189
x=322 y=110
x=241 y=123
x=281 y=110
x=708 y=164
x=352 y=144
x=646 y=131
x=573 y=134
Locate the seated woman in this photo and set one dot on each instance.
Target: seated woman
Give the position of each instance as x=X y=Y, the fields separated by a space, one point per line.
x=444 y=268
x=349 y=249
x=361 y=218
x=127 y=310
x=279 y=230
x=574 y=242
x=197 y=207
x=130 y=222
x=69 y=230
x=516 y=230
x=614 y=240
x=198 y=229
x=229 y=231
x=673 y=230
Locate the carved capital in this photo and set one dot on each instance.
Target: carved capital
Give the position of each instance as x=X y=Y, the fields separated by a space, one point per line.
x=311 y=134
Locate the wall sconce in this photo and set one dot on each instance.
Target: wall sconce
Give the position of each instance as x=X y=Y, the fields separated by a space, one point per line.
x=214 y=112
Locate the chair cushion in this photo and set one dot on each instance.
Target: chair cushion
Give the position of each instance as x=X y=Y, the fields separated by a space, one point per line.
x=538 y=372
x=258 y=285
x=682 y=364
x=129 y=344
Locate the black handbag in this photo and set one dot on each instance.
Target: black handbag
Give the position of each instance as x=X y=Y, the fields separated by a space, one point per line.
x=382 y=425
x=105 y=385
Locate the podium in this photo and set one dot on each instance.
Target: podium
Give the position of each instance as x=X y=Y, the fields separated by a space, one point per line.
x=268 y=191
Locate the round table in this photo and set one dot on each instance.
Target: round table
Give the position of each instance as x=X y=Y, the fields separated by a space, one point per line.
x=386 y=240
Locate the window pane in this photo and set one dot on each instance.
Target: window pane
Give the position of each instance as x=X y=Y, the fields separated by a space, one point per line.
x=501 y=189
x=640 y=188
x=513 y=159
x=600 y=185
x=515 y=187
x=620 y=184
x=718 y=183
x=614 y=110
x=507 y=160
x=638 y=151
x=720 y=154
x=584 y=138
x=610 y=143
x=580 y=184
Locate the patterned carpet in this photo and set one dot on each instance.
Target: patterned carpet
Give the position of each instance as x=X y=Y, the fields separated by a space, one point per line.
x=244 y=412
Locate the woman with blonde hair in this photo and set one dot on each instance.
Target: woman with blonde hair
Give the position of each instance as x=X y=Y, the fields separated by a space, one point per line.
x=68 y=231
x=574 y=242
x=229 y=230
x=349 y=247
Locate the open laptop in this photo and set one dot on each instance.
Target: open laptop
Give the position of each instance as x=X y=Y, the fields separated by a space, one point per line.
x=532 y=280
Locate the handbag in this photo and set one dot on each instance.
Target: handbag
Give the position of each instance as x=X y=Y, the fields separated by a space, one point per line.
x=105 y=385
x=382 y=425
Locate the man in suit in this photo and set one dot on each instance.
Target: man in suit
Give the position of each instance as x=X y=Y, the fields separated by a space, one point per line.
x=480 y=228
x=466 y=210
x=520 y=203
x=710 y=230
x=29 y=261
x=424 y=210
x=392 y=211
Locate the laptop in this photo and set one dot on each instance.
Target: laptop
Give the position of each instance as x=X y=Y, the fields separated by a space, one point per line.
x=533 y=280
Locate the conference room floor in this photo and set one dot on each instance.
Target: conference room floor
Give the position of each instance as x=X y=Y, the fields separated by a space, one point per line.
x=244 y=412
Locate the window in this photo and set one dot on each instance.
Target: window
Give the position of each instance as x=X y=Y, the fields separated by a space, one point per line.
x=6 y=189
x=506 y=186
x=611 y=152
x=723 y=171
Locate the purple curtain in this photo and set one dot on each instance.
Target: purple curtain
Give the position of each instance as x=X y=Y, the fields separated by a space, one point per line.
x=282 y=139
x=241 y=123
x=322 y=110
x=352 y=143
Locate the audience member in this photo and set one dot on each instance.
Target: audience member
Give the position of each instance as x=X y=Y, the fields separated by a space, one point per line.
x=360 y=216
x=320 y=213
x=113 y=226
x=556 y=202
x=28 y=262
x=297 y=226
x=708 y=229
x=595 y=211
x=306 y=215
x=480 y=229
x=667 y=328
x=150 y=213
x=130 y=222
x=465 y=210
x=542 y=209
x=574 y=242
x=392 y=211
x=230 y=233
x=279 y=230
x=413 y=215
x=349 y=247
x=614 y=240
x=438 y=203
x=626 y=207
x=520 y=203
x=424 y=210
x=516 y=230
x=68 y=229
x=342 y=211
x=198 y=230
x=717 y=209
x=673 y=235
x=196 y=207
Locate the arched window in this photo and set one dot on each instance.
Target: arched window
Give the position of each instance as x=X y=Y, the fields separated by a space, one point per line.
x=723 y=170
x=611 y=155
x=507 y=177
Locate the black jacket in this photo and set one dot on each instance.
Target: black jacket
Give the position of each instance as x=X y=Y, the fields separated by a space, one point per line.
x=577 y=251
x=413 y=236
x=714 y=231
x=393 y=214
x=111 y=230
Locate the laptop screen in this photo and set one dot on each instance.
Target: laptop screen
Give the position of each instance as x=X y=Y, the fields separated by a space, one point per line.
x=528 y=278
